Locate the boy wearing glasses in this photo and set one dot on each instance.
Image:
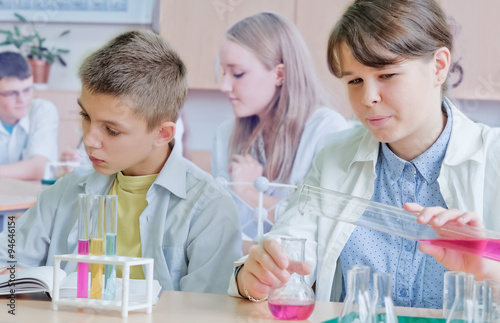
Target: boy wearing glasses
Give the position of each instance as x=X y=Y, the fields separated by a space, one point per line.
x=28 y=127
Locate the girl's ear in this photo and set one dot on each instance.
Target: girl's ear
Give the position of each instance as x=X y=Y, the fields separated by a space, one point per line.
x=280 y=74
x=442 y=59
x=166 y=133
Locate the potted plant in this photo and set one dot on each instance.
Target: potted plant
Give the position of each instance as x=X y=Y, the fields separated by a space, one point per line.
x=39 y=56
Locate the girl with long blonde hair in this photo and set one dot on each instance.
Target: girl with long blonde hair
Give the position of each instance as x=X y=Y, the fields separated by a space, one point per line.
x=281 y=111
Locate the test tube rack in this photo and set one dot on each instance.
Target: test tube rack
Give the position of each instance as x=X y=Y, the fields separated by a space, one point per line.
x=122 y=305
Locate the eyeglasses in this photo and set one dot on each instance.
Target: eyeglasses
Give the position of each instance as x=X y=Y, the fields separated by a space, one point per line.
x=17 y=94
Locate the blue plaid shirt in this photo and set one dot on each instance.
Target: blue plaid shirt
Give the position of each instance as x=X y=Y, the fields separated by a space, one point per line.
x=417 y=278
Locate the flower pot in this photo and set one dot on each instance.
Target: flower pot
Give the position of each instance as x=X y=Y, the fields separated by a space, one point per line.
x=41 y=70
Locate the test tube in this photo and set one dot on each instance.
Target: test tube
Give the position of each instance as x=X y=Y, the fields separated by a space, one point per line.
x=323 y=202
x=111 y=230
x=83 y=245
x=97 y=246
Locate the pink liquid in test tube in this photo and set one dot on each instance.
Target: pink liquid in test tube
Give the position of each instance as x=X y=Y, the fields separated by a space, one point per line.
x=486 y=248
x=83 y=271
x=83 y=245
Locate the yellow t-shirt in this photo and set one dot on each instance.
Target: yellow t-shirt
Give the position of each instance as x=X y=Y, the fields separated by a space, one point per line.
x=131 y=191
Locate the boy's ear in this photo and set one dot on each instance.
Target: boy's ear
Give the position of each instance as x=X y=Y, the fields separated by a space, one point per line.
x=442 y=58
x=280 y=74
x=166 y=133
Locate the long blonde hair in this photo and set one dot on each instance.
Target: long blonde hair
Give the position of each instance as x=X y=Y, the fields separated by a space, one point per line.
x=275 y=40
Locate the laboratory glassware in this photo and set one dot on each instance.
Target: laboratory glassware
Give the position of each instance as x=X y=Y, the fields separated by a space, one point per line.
x=392 y=220
x=83 y=244
x=357 y=307
x=462 y=310
x=111 y=231
x=493 y=310
x=382 y=305
x=449 y=284
x=97 y=245
x=481 y=302
x=295 y=300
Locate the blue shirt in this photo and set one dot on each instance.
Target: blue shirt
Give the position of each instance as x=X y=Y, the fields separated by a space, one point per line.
x=8 y=127
x=417 y=278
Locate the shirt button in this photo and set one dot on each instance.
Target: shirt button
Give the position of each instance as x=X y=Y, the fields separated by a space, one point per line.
x=408 y=247
x=403 y=293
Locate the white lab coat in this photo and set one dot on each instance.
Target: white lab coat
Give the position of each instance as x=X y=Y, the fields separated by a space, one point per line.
x=469 y=179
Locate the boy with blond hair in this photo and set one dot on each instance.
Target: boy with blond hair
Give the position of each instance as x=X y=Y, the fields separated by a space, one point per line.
x=132 y=91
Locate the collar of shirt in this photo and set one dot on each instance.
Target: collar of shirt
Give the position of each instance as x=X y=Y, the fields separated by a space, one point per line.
x=173 y=174
x=467 y=145
x=24 y=123
x=428 y=164
x=463 y=146
x=8 y=127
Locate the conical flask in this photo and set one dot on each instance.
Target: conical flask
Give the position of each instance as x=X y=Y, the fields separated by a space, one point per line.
x=462 y=310
x=294 y=300
x=481 y=297
x=382 y=305
x=356 y=305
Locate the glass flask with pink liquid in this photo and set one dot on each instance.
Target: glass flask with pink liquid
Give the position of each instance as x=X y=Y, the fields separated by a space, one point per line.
x=295 y=300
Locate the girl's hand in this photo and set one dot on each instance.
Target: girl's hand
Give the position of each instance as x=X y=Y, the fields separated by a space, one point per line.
x=244 y=168
x=267 y=267
x=453 y=259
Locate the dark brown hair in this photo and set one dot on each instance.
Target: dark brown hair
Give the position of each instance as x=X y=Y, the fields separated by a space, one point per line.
x=14 y=65
x=406 y=28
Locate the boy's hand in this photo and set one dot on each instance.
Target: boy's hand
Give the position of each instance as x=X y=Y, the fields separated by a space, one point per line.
x=266 y=268
x=69 y=155
x=453 y=259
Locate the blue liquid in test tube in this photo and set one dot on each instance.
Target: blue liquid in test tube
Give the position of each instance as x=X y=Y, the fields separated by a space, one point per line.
x=111 y=230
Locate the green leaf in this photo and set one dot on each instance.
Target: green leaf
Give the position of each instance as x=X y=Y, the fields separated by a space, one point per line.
x=21 y=18
x=63 y=51
x=64 y=33
x=7 y=32
x=16 y=30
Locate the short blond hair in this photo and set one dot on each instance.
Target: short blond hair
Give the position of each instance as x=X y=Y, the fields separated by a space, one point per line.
x=142 y=68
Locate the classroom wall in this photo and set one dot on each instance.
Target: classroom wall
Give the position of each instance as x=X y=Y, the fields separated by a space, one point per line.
x=82 y=40
x=204 y=109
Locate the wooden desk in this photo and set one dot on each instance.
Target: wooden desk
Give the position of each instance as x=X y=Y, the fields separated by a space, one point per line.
x=173 y=307
x=16 y=196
